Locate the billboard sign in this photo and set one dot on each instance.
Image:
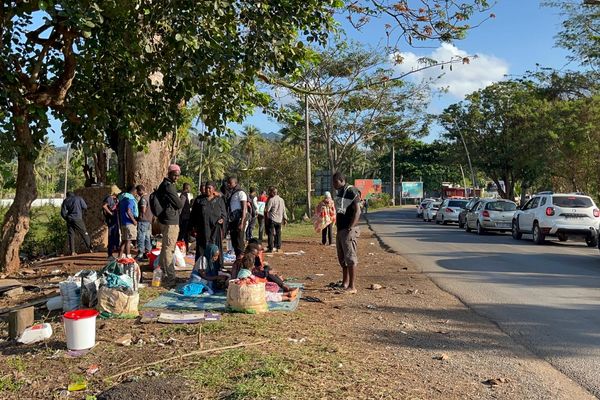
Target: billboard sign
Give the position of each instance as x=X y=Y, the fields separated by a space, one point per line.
x=368 y=187
x=412 y=190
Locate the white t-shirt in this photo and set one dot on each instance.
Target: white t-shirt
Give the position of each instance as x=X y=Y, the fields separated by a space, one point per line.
x=236 y=200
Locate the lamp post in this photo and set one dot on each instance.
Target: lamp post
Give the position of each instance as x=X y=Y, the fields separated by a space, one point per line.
x=307 y=144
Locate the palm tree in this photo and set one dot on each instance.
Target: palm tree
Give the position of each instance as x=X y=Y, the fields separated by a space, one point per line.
x=250 y=143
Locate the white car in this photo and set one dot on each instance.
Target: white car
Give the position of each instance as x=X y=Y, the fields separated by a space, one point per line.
x=490 y=215
x=421 y=207
x=449 y=210
x=560 y=215
x=431 y=211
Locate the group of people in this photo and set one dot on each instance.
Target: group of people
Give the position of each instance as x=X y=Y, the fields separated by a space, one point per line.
x=212 y=215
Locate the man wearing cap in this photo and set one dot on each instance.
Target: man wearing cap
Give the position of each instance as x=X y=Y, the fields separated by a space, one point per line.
x=110 y=210
x=169 y=222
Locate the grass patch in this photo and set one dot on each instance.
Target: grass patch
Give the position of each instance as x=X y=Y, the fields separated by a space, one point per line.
x=16 y=363
x=10 y=384
x=147 y=294
x=242 y=374
x=298 y=230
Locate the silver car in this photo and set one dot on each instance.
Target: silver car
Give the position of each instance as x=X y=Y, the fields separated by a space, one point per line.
x=449 y=210
x=431 y=211
x=491 y=215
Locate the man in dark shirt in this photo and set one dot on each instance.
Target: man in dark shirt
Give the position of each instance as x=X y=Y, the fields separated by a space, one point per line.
x=72 y=212
x=110 y=209
x=184 y=216
x=169 y=222
x=144 y=226
x=347 y=204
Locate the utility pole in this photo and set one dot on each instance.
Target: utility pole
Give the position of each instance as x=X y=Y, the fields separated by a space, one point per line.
x=67 y=169
x=393 y=175
x=464 y=179
x=308 y=169
x=468 y=158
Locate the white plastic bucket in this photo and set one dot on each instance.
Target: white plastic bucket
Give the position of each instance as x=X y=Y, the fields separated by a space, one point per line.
x=80 y=329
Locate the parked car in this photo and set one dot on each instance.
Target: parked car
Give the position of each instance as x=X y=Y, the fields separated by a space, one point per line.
x=421 y=207
x=490 y=215
x=462 y=216
x=564 y=215
x=449 y=210
x=431 y=211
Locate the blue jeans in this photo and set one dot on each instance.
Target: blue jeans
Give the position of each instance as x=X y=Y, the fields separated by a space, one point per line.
x=144 y=244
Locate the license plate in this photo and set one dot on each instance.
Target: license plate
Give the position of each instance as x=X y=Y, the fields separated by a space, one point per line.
x=505 y=225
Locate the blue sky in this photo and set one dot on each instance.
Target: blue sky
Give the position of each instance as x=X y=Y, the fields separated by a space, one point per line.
x=521 y=35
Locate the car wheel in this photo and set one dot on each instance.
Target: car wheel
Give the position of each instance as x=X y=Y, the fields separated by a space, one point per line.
x=562 y=237
x=515 y=231
x=437 y=221
x=538 y=236
x=480 y=229
x=591 y=241
x=461 y=224
x=467 y=228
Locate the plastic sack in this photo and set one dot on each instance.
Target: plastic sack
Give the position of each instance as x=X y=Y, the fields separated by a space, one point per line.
x=181 y=246
x=89 y=287
x=117 y=302
x=114 y=281
x=249 y=299
x=133 y=271
x=70 y=291
x=179 y=258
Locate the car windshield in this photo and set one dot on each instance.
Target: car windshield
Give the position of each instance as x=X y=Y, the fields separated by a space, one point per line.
x=435 y=204
x=457 y=203
x=501 y=206
x=572 y=201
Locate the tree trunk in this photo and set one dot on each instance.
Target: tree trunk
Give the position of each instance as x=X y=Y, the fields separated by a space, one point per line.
x=146 y=168
x=16 y=220
x=101 y=166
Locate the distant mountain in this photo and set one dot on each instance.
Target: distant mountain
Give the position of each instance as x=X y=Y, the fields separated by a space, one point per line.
x=273 y=136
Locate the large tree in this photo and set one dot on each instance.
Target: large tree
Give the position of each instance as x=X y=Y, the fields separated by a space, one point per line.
x=114 y=70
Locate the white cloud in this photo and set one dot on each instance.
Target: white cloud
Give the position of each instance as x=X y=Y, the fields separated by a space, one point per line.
x=463 y=78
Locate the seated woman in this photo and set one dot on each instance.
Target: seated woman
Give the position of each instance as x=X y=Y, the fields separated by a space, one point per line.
x=262 y=270
x=206 y=269
x=246 y=275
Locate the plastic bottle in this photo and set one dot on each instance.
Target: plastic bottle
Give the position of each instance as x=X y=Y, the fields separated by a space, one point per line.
x=157 y=277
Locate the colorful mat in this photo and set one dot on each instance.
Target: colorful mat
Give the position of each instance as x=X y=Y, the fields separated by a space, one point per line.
x=216 y=302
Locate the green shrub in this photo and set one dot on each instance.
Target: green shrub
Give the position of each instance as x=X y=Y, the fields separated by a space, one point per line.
x=380 y=200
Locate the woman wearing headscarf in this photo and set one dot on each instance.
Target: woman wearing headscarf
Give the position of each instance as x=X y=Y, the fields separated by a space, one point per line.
x=324 y=218
x=207 y=219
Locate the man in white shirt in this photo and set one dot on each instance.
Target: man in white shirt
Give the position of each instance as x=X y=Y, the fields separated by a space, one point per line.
x=275 y=217
x=237 y=209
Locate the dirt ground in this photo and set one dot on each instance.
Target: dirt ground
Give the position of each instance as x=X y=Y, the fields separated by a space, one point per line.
x=407 y=340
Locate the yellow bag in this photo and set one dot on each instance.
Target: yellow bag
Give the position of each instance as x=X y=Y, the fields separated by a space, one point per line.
x=114 y=301
x=249 y=299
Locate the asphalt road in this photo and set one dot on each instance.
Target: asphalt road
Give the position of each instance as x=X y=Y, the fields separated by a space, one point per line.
x=545 y=297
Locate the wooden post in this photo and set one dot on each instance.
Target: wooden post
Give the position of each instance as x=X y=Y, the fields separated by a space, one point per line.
x=308 y=168
x=19 y=320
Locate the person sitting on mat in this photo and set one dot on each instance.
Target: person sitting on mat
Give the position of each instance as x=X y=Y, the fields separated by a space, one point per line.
x=246 y=275
x=207 y=267
x=262 y=270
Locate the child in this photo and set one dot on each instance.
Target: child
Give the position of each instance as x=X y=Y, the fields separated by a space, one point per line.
x=246 y=276
x=262 y=270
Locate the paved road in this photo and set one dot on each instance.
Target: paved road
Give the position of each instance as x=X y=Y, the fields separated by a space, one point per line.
x=545 y=297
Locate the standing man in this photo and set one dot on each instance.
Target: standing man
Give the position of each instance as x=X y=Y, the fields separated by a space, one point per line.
x=184 y=216
x=128 y=214
x=275 y=216
x=168 y=216
x=110 y=209
x=72 y=212
x=144 y=226
x=237 y=211
x=347 y=204
x=260 y=211
x=252 y=208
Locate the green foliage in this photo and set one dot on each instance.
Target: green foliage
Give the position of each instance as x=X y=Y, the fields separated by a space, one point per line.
x=380 y=200
x=47 y=234
x=580 y=30
x=185 y=179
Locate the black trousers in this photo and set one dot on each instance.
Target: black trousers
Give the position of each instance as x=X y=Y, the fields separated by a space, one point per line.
x=250 y=228
x=273 y=234
x=327 y=233
x=77 y=226
x=237 y=238
x=184 y=233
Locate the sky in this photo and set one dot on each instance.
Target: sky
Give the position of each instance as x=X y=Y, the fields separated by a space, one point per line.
x=519 y=37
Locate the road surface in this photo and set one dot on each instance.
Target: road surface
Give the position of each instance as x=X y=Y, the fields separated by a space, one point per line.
x=545 y=297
